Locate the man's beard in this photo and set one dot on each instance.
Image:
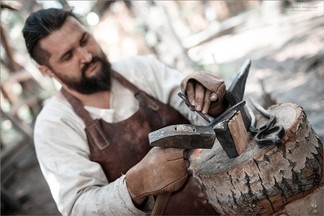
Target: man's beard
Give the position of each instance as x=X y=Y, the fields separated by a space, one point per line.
x=88 y=85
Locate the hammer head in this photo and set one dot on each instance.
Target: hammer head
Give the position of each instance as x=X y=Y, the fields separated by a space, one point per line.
x=183 y=136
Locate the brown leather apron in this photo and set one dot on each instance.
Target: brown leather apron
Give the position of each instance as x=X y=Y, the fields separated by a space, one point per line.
x=119 y=146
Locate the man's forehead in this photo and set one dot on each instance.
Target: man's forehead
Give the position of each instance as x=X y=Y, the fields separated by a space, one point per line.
x=68 y=33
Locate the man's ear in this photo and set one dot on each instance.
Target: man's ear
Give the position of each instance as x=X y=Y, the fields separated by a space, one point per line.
x=46 y=70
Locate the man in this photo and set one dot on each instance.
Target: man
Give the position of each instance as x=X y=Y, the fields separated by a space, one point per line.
x=91 y=137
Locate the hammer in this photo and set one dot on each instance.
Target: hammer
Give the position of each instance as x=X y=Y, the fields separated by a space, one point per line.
x=189 y=136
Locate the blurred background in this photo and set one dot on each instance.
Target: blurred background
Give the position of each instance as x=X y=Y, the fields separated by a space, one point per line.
x=284 y=40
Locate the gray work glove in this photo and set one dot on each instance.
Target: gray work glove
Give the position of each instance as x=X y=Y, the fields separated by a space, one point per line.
x=161 y=170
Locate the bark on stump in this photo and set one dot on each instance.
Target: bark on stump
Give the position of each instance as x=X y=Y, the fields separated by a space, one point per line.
x=263 y=180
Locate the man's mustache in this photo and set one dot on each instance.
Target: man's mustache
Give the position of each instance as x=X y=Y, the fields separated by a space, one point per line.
x=87 y=65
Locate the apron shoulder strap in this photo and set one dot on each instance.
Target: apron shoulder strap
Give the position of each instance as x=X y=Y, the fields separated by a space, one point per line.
x=78 y=107
x=94 y=130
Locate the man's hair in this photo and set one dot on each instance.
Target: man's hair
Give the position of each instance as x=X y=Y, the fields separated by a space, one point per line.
x=39 y=25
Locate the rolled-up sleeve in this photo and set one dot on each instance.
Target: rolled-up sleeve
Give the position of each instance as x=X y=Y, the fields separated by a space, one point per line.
x=111 y=199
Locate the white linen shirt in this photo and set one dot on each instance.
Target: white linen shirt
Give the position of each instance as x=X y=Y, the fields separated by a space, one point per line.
x=79 y=185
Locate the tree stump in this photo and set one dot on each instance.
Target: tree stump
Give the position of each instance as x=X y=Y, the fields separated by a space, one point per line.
x=263 y=180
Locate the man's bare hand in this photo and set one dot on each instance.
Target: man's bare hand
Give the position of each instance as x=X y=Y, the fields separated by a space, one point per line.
x=199 y=96
x=205 y=92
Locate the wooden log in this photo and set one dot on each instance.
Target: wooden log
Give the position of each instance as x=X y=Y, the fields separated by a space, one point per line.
x=263 y=180
x=311 y=204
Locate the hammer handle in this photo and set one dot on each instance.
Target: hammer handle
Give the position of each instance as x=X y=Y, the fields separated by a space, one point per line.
x=160 y=203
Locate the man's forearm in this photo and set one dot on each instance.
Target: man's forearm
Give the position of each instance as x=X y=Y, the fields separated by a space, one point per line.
x=112 y=199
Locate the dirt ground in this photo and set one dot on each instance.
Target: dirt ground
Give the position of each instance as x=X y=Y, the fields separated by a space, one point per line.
x=286 y=53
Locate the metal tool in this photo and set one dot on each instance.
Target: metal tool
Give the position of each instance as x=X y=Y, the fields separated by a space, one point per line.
x=233 y=95
x=235 y=92
x=237 y=88
x=189 y=136
x=185 y=99
x=269 y=133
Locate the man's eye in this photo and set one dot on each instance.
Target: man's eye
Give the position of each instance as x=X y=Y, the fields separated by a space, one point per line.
x=84 y=41
x=67 y=57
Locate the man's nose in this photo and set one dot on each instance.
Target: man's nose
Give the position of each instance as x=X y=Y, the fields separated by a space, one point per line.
x=85 y=55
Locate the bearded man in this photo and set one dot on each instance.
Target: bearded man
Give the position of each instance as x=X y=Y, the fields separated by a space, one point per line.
x=91 y=138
